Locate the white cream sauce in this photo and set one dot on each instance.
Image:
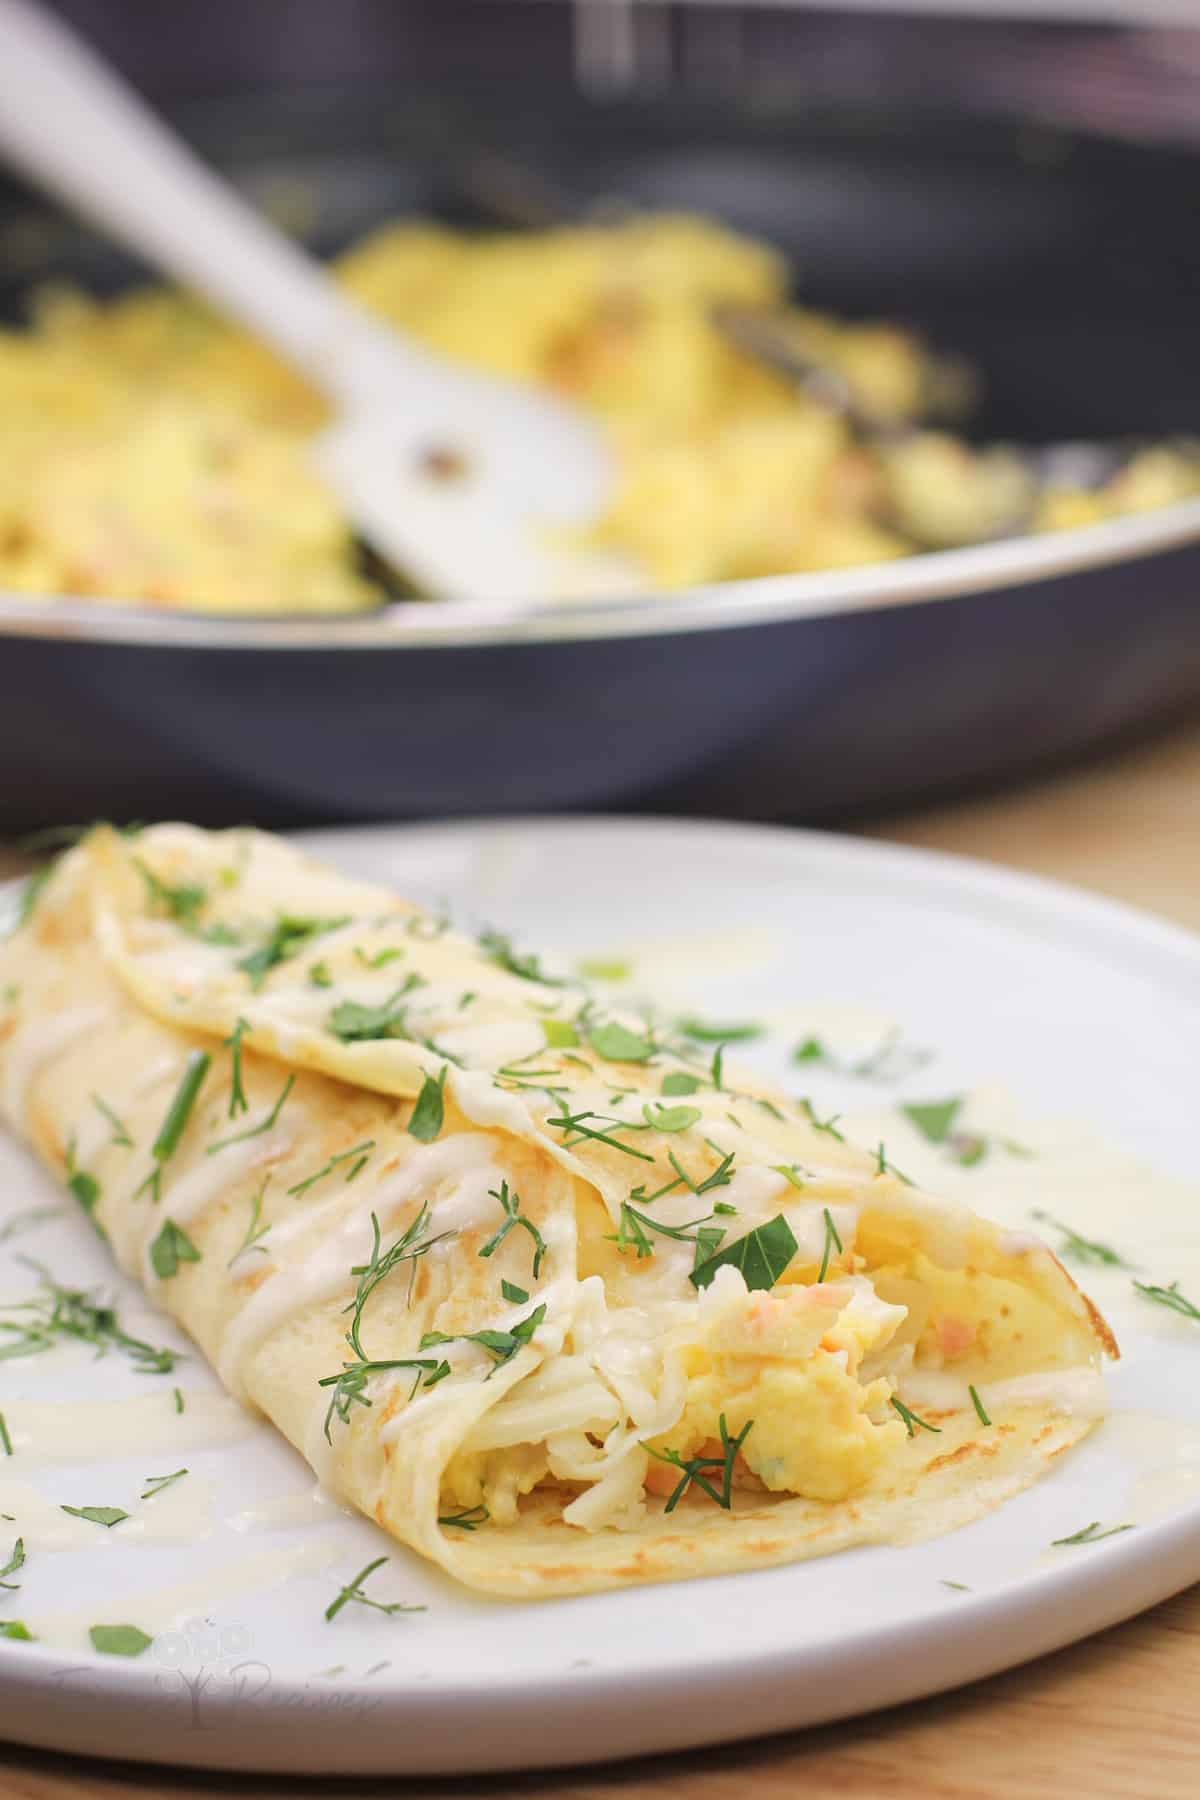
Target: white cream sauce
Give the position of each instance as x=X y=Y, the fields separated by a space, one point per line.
x=37 y=1043
x=206 y=1181
x=325 y=1271
x=72 y=1430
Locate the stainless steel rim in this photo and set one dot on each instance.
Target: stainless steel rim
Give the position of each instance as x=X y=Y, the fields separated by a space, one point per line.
x=945 y=575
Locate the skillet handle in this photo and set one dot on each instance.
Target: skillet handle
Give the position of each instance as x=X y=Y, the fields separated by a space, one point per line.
x=78 y=129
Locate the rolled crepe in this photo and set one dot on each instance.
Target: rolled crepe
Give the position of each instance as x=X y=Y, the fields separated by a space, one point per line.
x=558 y=1301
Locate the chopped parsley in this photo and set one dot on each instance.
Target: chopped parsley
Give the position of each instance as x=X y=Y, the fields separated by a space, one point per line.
x=5 y=1440
x=171 y=1247
x=119 y=1640
x=696 y=1469
x=501 y=1346
x=671 y=1118
x=510 y=1205
x=429 y=1112
x=180 y=902
x=761 y=1256
x=380 y=959
x=616 y=1043
x=576 y=1123
x=796 y=1173
x=355 y=1022
x=680 y=1082
x=16 y=1561
x=703 y=1032
x=108 y=1516
x=319 y=976
x=884 y=1167
x=934 y=1118
x=499 y=949
x=829 y=1126
x=350 y=1385
x=977 y=1403
x=560 y=1034
x=167 y=1142
x=517 y=1296
x=635 y=1224
x=13 y=1628
x=287 y=938
x=85 y=1187
x=353 y=1592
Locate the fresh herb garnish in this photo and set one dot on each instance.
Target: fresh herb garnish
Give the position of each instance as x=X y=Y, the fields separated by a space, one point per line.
x=829 y=1126
x=634 y=1225
x=156 y=1483
x=409 y=1248
x=616 y=1043
x=1170 y=1297
x=832 y=1241
x=353 y=1591
x=237 y=1093
x=182 y=902
x=695 y=1468
x=934 y=1118
x=977 y=1403
x=560 y=1034
x=1085 y=1250
x=510 y=1204
x=499 y=949
x=178 y=1113
x=1091 y=1534
x=56 y=1313
x=511 y=1292
x=319 y=976
x=119 y=1640
x=5 y=1440
x=680 y=1082
x=288 y=936
x=501 y=1346
x=429 y=1112
x=671 y=1118
x=264 y=1125
x=171 y=1247
x=911 y=1419
x=350 y=1386
x=357 y=1151
x=355 y=1022
x=761 y=1256
x=467 y=1520
x=120 y=1132
x=959 y=1587
x=796 y=1173
x=381 y=958
x=254 y=1231
x=107 y=1516
x=178 y=1397
x=16 y=1561
x=577 y=1123
x=13 y=1628
x=85 y=1187
x=706 y=1033
x=719 y=1177
x=884 y=1167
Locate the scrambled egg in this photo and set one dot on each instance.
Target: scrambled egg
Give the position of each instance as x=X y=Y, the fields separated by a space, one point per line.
x=788 y=1361
x=150 y=452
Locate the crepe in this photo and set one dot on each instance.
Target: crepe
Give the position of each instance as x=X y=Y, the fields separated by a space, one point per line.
x=558 y=1298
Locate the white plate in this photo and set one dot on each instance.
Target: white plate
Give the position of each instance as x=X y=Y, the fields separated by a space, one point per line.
x=1081 y=1008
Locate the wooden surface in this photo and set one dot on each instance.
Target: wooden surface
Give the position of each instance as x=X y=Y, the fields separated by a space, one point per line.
x=1114 y=1717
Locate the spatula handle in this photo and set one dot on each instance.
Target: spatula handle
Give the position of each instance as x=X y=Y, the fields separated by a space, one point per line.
x=78 y=129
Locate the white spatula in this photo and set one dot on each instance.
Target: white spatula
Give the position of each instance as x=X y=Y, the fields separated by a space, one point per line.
x=468 y=484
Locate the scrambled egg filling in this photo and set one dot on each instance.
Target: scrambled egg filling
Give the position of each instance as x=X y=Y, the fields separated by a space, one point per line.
x=150 y=452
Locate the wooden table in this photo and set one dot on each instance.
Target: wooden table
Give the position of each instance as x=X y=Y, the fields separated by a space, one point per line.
x=1116 y=1716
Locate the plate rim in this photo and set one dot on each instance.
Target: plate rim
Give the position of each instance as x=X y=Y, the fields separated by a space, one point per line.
x=917 y=1656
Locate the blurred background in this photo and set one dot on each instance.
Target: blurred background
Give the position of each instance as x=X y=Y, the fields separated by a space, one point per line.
x=1013 y=181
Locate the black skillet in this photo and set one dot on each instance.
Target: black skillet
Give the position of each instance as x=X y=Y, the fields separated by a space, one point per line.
x=1067 y=268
